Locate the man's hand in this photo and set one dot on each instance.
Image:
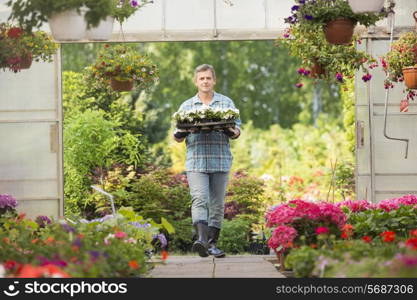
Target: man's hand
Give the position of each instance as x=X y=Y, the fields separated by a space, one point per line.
x=231 y=132
x=180 y=134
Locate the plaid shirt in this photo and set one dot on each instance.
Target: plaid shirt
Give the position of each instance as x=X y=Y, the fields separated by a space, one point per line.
x=208 y=152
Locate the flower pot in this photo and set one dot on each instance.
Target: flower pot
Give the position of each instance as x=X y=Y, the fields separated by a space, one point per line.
x=103 y=31
x=410 y=77
x=317 y=70
x=339 y=31
x=68 y=26
x=25 y=62
x=121 y=86
x=364 y=6
x=281 y=260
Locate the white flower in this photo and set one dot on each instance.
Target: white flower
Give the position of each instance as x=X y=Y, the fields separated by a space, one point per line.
x=267 y=177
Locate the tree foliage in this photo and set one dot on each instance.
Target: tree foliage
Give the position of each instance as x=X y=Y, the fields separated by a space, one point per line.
x=257 y=75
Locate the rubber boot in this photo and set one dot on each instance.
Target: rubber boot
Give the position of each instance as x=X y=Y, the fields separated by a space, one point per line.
x=213 y=236
x=200 y=245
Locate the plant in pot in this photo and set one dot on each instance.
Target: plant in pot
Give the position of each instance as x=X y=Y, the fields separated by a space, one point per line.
x=400 y=63
x=334 y=16
x=68 y=19
x=19 y=47
x=123 y=68
x=322 y=60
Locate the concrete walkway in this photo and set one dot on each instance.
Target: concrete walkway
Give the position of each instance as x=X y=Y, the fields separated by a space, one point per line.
x=232 y=266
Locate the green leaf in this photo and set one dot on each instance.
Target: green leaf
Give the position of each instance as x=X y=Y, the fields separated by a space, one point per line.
x=167 y=226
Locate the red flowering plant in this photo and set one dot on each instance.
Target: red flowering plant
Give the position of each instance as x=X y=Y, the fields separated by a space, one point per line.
x=403 y=54
x=300 y=222
x=18 y=48
x=396 y=215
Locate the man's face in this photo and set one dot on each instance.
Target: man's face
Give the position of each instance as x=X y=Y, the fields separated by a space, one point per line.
x=204 y=81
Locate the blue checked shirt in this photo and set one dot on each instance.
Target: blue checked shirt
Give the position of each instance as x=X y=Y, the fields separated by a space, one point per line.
x=208 y=152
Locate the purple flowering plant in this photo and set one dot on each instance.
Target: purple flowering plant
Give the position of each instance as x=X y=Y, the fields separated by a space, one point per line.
x=7 y=203
x=125 y=8
x=310 y=12
x=305 y=39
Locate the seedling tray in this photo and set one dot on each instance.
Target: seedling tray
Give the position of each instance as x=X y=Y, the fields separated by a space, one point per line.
x=206 y=125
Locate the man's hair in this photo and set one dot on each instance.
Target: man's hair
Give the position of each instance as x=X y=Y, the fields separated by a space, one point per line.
x=204 y=67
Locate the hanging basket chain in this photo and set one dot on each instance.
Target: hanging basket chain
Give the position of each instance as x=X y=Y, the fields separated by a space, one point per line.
x=392 y=14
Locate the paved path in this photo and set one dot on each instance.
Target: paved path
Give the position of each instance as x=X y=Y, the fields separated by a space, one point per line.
x=232 y=266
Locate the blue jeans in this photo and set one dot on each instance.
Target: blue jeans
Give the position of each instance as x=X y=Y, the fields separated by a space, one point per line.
x=207 y=195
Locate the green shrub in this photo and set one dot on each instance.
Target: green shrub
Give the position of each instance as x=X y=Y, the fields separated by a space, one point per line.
x=248 y=194
x=90 y=142
x=159 y=194
x=302 y=261
x=182 y=239
x=234 y=236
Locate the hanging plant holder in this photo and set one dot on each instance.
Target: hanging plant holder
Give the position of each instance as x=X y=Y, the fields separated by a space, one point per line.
x=410 y=77
x=121 y=86
x=366 y=6
x=68 y=26
x=339 y=31
x=25 y=62
x=103 y=31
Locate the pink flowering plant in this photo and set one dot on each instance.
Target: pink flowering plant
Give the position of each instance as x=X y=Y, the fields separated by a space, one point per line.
x=397 y=215
x=300 y=222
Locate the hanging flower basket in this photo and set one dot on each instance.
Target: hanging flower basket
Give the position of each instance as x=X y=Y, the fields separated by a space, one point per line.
x=103 y=31
x=124 y=68
x=400 y=63
x=18 y=47
x=68 y=25
x=121 y=86
x=410 y=77
x=339 y=31
x=366 y=6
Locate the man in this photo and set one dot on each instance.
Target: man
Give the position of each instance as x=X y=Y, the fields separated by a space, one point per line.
x=208 y=163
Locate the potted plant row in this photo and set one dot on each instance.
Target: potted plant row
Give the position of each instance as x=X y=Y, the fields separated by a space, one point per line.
x=123 y=68
x=18 y=48
x=69 y=20
x=335 y=17
x=206 y=118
